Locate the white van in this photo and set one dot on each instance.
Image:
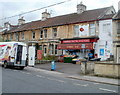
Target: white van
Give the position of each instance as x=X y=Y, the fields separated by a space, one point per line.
x=13 y=54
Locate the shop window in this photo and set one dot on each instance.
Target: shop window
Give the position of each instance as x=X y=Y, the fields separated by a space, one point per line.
x=76 y=30
x=92 y=29
x=54 y=32
x=45 y=33
x=41 y=34
x=33 y=35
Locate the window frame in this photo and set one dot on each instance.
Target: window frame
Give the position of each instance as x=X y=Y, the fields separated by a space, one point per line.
x=33 y=34
x=11 y=36
x=41 y=34
x=54 y=32
x=76 y=30
x=92 y=29
x=22 y=35
x=45 y=33
x=16 y=36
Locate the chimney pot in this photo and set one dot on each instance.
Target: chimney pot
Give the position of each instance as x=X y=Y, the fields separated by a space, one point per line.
x=21 y=21
x=81 y=8
x=45 y=15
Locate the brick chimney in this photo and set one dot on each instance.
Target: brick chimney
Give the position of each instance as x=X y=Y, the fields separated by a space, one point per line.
x=21 y=21
x=81 y=8
x=45 y=15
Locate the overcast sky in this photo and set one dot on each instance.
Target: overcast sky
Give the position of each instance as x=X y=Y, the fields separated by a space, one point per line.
x=13 y=7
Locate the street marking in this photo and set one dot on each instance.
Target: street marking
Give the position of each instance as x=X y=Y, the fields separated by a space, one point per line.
x=80 y=84
x=40 y=76
x=108 y=90
x=56 y=80
x=25 y=73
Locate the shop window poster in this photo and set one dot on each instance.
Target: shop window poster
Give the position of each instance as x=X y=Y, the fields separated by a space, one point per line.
x=101 y=52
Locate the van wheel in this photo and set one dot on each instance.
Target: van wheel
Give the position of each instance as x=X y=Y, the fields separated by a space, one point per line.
x=5 y=65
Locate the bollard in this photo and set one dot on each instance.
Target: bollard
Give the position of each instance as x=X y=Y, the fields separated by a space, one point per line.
x=53 y=67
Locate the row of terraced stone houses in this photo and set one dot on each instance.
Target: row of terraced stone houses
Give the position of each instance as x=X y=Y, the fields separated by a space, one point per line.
x=96 y=30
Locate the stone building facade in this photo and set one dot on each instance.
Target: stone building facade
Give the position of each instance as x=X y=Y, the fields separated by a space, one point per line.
x=46 y=34
x=116 y=42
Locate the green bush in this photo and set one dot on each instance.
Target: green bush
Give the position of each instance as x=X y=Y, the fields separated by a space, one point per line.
x=49 y=57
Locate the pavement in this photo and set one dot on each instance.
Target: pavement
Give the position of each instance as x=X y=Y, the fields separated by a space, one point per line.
x=73 y=71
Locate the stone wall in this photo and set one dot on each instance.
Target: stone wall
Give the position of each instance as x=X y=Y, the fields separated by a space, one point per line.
x=87 y=68
x=107 y=69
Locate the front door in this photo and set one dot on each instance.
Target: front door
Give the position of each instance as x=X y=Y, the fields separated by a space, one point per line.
x=118 y=54
x=31 y=58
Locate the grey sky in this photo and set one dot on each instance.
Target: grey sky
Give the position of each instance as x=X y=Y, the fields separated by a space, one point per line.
x=13 y=7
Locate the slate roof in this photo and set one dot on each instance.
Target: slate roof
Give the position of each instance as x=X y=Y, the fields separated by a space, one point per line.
x=86 y=16
x=117 y=16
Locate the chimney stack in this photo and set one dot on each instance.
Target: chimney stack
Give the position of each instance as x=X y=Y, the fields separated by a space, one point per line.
x=45 y=15
x=7 y=25
x=81 y=8
x=21 y=21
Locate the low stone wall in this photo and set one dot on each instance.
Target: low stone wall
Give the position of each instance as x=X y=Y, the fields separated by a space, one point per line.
x=107 y=69
x=42 y=61
x=87 y=68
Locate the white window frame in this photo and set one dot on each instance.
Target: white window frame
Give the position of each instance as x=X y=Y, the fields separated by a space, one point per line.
x=45 y=33
x=41 y=34
x=11 y=36
x=22 y=36
x=92 y=29
x=16 y=36
x=33 y=34
x=56 y=50
x=106 y=29
x=45 y=49
x=76 y=30
x=54 y=32
x=51 y=47
x=118 y=28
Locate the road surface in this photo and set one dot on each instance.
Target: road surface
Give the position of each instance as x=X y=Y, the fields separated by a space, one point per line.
x=32 y=80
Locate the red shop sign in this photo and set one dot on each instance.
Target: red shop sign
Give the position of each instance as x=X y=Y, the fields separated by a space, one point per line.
x=76 y=46
x=75 y=41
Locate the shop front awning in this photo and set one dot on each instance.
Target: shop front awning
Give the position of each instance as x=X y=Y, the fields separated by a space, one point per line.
x=80 y=40
x=75 y=46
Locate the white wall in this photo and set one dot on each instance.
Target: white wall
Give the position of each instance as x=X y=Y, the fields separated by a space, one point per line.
x=105 y=42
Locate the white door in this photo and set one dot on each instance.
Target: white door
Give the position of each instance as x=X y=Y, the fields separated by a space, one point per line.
x=118 y=54
x=31 y=58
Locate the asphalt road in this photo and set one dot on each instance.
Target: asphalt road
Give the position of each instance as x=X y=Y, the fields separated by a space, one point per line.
x=32 y=80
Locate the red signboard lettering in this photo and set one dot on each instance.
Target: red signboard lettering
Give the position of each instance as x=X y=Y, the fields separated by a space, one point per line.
x=76 y=46
x=75 y=41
